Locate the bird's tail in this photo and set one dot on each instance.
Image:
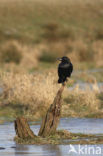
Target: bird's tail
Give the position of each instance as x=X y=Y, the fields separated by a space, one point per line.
x=61 y=80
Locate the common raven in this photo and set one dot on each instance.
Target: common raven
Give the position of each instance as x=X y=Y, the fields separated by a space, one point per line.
x=65 y=69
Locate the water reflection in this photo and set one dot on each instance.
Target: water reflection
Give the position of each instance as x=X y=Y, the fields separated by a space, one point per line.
x=53 y=150
x=21 y=149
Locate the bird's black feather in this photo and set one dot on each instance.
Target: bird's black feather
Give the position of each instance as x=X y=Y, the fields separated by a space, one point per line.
x=65 y=69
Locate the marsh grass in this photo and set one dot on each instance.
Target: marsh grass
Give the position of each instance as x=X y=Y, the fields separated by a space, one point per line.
x=73 y=28
x=49 y=57
x=33 y=94
x=16 y=57
x=62 y=137
x=10 y=52
x=39 y=32
x=28 y=18
x=82 y=103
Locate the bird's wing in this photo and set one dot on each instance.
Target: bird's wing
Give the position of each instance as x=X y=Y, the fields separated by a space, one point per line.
x=65 y=70
x=71 y=67
x=60 y=71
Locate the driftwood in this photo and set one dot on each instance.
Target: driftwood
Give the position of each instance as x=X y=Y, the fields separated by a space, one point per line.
x=49 y=123
x=51 y=120
x=22 y=128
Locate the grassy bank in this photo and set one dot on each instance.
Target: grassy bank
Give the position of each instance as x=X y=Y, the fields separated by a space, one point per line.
x=63 y=137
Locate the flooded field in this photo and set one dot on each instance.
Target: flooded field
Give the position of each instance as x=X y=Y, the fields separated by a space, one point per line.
x=33 y=34
x=88 y=126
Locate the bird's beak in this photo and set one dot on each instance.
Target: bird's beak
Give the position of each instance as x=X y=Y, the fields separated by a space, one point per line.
x=60 y=59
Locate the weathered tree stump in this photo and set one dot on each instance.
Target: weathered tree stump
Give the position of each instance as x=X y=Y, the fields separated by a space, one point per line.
x=51 y=120
x=22 y=128
x=49 y=123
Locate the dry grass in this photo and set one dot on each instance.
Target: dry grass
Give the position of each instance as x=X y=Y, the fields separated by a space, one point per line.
x=76 y=31
x=41 y=31
x=98 y=50
x=19 y=57
x=35 y=93
x=82 y=103
x=30 y=56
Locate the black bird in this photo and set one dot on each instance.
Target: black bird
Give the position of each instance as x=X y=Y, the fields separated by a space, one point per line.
x=65 y=69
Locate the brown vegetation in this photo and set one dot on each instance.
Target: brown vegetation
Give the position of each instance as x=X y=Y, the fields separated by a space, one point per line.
x=33 y=94
x=32 y=35
x=76 y=31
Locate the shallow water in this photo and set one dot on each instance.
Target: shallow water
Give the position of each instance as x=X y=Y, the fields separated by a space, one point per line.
x=7 y=133
x=84 y=85
x=93 y=70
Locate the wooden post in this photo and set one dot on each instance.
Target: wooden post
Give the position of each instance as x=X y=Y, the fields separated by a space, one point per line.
x=22 y=128
x=51 y=120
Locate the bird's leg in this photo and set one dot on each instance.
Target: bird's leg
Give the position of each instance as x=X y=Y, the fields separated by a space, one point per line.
x=64 y=83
